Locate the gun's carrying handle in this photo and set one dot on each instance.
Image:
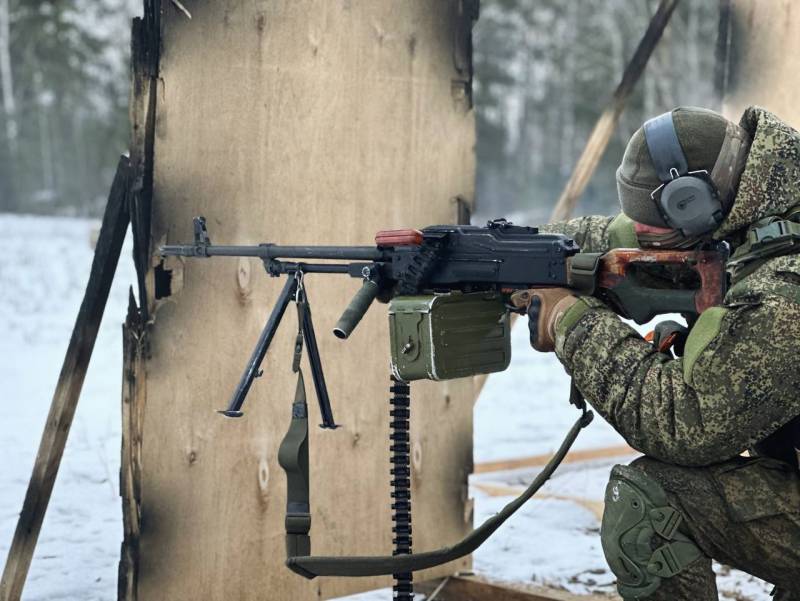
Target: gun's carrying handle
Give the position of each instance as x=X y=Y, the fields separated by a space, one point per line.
x=609 y=276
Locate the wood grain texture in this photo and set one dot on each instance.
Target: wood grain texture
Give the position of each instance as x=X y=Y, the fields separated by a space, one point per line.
x=759 y=52
x=295 y=122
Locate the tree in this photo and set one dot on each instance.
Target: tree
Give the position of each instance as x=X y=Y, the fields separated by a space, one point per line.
x=544 y=71
x=67 y=89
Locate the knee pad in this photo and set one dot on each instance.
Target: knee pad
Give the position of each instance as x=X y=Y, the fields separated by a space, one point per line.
x=639 y=533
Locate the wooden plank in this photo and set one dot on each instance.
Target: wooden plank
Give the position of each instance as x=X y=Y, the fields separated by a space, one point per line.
x=68 y=387
x=540 y=460
x=477 y=588
x=759 y=54
x=499 y=489
x=303 y=122
x=607 y=122
x=145 y=50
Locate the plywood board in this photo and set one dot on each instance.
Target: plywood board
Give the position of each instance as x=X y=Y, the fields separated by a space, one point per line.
x=760 y=57
x=295 y=122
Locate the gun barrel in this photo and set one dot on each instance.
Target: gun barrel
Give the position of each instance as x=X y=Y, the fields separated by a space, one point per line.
x=342 y=253
x=273 y=251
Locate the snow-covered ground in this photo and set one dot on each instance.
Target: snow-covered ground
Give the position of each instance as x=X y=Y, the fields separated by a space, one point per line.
x=44 y=265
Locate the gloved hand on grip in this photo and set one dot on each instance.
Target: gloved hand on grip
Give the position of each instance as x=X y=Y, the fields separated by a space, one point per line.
x=544 y=307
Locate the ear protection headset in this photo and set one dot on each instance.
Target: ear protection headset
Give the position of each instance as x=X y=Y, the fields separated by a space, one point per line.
x=688 y=201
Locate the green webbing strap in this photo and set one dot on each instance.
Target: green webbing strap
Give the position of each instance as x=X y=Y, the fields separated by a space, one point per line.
x=767 y=238
x=293 y=458
x=310 y=566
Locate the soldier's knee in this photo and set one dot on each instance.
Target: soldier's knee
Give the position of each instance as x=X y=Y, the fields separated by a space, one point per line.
x=655 y=469
x=639 y=533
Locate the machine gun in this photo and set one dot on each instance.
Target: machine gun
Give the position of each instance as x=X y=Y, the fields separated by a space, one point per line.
x=449 y=291
x=496 y=260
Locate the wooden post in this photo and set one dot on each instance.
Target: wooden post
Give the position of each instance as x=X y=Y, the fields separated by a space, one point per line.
x=607 y=123
x=68 y=388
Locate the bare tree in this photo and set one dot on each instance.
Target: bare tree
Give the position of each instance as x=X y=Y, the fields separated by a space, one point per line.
x=7 y=78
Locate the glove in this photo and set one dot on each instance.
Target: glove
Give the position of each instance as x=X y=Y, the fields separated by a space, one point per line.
x=544 y=307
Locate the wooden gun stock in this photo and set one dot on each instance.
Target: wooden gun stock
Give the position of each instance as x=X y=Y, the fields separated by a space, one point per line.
x=618 y=280
x=689 y=283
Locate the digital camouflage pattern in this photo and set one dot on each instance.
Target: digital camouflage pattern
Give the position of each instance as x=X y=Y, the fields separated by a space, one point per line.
x=770 y=182
x=741 y=512
x=738 y=395
x=737 y=388
x=734 y=393
x=589 y=232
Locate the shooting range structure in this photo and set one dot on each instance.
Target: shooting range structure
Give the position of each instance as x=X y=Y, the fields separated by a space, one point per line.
x=309 y=122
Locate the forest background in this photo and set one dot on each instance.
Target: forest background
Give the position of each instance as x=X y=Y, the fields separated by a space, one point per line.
x=544 y=70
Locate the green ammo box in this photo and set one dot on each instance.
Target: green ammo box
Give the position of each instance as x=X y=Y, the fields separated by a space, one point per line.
x=444 y=336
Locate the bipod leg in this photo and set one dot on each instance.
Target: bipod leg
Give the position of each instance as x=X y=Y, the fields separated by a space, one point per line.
x=401 y=482
x=316 y=369
x=252 y=371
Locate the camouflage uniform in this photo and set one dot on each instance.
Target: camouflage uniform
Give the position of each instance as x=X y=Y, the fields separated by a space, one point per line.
x=737 y=387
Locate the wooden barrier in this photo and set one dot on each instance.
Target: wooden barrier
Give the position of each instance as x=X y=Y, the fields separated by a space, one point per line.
x=302 y=122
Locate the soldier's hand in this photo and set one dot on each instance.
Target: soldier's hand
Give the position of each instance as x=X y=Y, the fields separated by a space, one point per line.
x=544 y=307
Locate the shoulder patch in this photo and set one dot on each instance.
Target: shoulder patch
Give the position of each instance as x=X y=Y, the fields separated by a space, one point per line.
x=704 y=331
x=621 y=233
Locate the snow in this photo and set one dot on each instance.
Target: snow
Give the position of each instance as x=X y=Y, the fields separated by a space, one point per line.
x=534 y=390
x=44 y=266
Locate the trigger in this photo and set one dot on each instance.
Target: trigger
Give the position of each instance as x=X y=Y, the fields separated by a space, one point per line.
x=666 y=343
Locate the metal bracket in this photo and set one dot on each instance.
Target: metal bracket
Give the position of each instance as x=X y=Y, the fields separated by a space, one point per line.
x=201 y=238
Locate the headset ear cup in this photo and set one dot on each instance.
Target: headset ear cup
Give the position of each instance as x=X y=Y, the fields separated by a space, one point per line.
x=690 y=204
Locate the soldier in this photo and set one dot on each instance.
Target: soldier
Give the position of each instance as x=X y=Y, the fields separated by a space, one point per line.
x=687 y=177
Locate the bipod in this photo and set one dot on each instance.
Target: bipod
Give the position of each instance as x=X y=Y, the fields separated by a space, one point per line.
x=293 y=290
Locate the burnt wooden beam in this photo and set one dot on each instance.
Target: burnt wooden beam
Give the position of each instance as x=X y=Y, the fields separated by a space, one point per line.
x=540 y=460
x=145 y=56
x=133 y=400
x=469 y=587
x=608 y=120
x=68 y=387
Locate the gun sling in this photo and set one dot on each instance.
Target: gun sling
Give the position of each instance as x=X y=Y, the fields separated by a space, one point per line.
x=293 y=458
